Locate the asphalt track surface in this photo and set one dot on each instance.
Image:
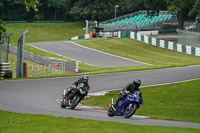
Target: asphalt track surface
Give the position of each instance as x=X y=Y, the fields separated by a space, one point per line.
x=83 y=54
x=39 y=96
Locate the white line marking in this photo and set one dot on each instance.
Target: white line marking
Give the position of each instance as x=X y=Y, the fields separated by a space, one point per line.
x=57 y=100
x=108 y=53
x=171 y=82
x=57 y=54
x=100 y=93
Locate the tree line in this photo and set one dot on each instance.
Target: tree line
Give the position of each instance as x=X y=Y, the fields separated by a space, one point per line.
x=73 y=10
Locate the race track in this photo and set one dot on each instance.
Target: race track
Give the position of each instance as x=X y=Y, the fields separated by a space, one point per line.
x=39 y=96
x=83 y=54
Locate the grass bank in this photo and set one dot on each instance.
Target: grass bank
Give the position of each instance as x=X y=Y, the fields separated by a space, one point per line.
x=179 y=102
x=23 y=123
x=42 y=32
x=136 y=50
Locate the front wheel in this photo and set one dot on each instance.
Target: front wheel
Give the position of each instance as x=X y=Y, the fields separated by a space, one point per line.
x=62 y=104
x=75 y=102
x=130 y=110
x=110 y=112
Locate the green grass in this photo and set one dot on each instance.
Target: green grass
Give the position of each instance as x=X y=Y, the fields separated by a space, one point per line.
x=41 y=32
x=136 y=50
x=179 y=102
x=23 y=123
x=128 y=48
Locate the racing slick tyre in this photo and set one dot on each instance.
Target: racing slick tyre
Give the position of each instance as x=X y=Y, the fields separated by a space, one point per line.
x=75 y=102
x=62 y=104
x=110 y=112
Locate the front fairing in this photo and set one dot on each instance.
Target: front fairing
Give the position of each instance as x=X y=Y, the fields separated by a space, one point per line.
x=134 y=98
x=121 y=107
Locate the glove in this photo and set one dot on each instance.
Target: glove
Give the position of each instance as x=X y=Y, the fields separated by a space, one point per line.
x=127 y=92
x=73 y=86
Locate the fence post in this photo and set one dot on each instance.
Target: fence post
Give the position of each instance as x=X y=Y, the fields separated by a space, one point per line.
x=20 y=55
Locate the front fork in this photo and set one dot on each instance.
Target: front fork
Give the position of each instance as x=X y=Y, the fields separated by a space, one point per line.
x=65 y=94
x=112 y=103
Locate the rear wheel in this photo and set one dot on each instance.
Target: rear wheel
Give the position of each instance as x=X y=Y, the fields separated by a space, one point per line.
x=110 y=112
x=130 y=110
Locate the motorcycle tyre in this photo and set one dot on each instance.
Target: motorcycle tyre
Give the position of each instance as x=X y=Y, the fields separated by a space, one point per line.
x=110 y=112
x=78 y=99
x=62 y=105
x=133 y=110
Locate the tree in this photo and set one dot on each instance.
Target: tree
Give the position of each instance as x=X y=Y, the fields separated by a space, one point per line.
x=180 y=7
x=31 y=4
x=57 y=5
x=2 y=27
x=103 y=9
x=195 y=9
x=154 y=4
x=12 y=10
x=129 y=6
x=92 y=9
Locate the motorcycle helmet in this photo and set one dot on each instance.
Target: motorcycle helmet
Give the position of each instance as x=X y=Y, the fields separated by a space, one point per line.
x=85 y=79
x=137 y=83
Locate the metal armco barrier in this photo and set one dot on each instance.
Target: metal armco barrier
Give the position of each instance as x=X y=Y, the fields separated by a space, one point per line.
x=3 y=68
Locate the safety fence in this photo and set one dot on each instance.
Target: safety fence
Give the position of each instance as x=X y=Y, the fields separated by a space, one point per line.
x=4 y=40
x=166 y=44
x=189 y=38
x=46 y=66
x=3 y=52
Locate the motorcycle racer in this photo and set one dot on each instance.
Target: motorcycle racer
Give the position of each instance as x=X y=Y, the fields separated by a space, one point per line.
x=130 y=88
x=72 y=90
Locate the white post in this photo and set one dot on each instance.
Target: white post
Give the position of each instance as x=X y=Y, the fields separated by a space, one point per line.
x=115 y=13
x=50 y=69
x=13 y=66
x=86 y=31
x=96 y=23
x=32 y=71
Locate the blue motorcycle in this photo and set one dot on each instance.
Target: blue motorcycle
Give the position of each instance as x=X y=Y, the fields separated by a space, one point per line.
x=127 y=107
